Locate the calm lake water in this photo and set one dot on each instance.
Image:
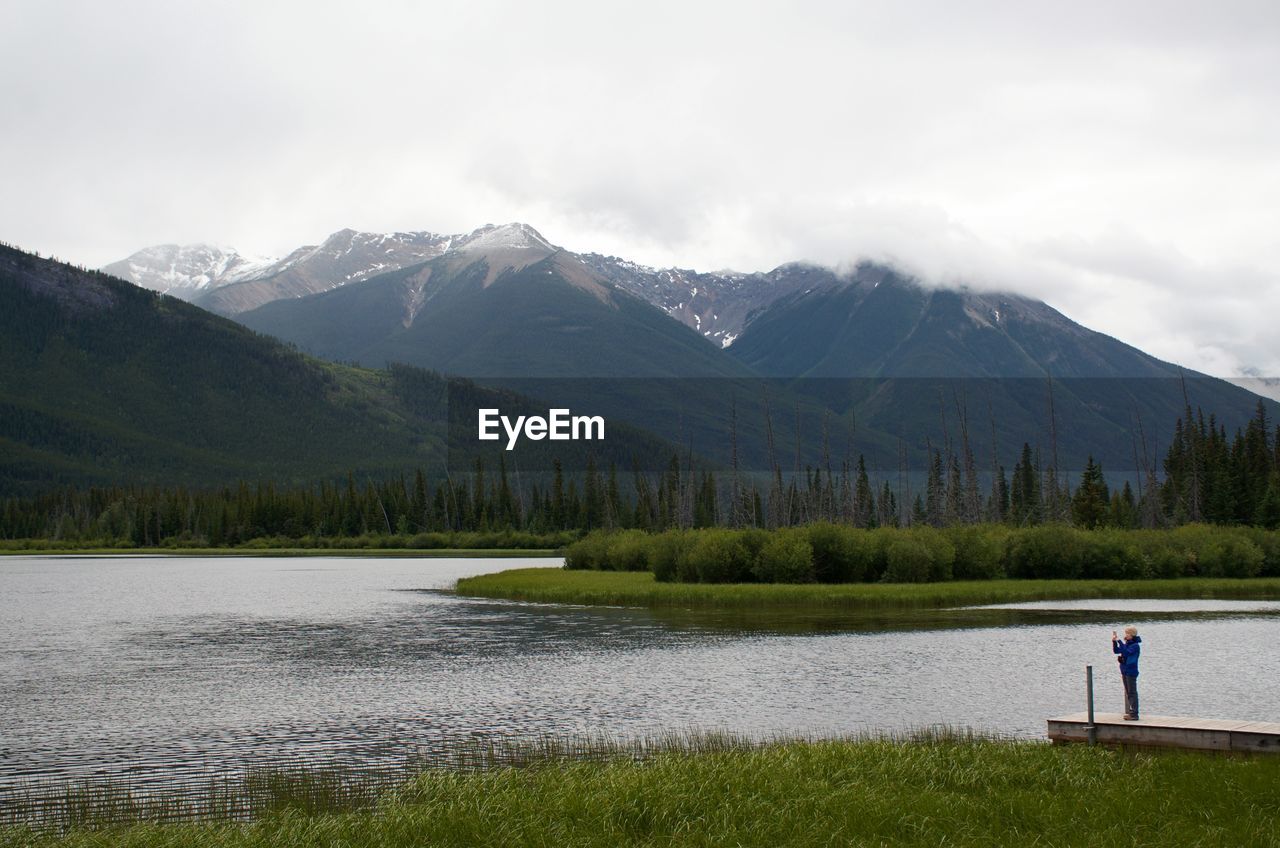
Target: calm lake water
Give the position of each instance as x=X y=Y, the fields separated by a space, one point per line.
x=159 y=666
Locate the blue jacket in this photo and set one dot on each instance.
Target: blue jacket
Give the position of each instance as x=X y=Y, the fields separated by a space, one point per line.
x=1129 y=650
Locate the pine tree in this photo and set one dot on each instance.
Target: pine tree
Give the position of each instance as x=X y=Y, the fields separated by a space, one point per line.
x=1122 y=511
x=887 y=508
x=935 y=491
x=1091 y=501
x=998 y=502
x=863 y=500
x=559 y=504
x=592 y=497
x=1268 y=511
x=1024 y=493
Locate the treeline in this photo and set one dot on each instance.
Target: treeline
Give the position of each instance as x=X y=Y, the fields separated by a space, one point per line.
x=834 y=553
x=390 y=513
x=1207 y=477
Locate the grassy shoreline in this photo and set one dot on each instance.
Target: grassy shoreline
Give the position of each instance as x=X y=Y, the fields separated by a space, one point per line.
x=931 y=791
x=639 y=589
x=497 y=553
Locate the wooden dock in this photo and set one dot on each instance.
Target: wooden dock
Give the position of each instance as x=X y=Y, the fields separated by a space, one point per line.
x=1205 y=734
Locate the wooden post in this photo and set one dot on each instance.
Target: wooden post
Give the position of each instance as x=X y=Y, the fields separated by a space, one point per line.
x=1091 y=729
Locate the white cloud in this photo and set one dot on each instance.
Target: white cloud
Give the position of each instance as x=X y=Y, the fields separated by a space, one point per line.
x=1117 y=160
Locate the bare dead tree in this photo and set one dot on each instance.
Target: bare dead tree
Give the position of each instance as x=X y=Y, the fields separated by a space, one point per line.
x=1193 y=440
x=1138 y=470
x=846 y=479
x=795 y=476
x=904 y=484
x=735 y=496
x=775 y=471
x=827 y=504
x=997 y=500
x=515 y=468
x=1150 y=510
x=972 y=501
x=1054 y=502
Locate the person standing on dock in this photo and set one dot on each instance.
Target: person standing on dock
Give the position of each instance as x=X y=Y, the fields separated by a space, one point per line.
x=1128 y=650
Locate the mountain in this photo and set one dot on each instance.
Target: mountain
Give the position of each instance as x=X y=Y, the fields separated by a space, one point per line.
x=345 y=257
x=503 y=302
x=714 y=305
x=907 y=358
x=187 y=271
x=825 y=351
x=103 y=382
x=222 y=280
x=799 y=348
x=877 y=322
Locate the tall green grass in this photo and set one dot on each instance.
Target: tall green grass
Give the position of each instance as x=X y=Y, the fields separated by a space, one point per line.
x=640 y=589
x=931 y=791
x=313 y=787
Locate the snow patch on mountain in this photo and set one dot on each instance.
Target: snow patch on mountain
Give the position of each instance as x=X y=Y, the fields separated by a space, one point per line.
x=506 y=236
x=185 y=270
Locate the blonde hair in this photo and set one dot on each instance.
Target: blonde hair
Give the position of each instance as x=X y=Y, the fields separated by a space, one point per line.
x=1131 y=631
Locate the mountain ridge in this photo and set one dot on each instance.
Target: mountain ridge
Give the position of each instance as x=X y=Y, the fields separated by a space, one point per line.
x=106 y=383
x=857 y=342
x=222 y=280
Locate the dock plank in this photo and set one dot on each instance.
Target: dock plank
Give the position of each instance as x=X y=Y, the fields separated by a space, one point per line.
x=1193 y=732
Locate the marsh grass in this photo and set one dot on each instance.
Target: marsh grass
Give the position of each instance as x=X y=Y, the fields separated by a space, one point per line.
x=100 y=802
x=312 y=788
x=933 y=788
x=640 y=589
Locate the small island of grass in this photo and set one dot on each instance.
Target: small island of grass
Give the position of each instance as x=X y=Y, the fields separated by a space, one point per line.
x=828 y=566
x=639 y=589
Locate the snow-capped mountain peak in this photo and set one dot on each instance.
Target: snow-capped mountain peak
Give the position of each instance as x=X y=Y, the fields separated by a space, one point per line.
x=185 y=270
x=509 y=236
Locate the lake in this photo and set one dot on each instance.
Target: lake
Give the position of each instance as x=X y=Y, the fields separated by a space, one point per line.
x=151 y=667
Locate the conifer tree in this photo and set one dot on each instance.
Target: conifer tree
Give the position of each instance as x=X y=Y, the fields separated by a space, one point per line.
x=863 y=500
x=1092 y=500
x=1024 y=493
x=887 y=507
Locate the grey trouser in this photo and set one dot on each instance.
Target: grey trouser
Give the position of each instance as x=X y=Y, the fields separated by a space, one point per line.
x=1130 y=694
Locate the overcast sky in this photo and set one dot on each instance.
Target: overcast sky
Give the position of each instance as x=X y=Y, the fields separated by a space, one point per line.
x=1119 y=160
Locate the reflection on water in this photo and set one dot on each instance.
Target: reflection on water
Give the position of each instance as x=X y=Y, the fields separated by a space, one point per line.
x=1011 y=615
x=188 y=665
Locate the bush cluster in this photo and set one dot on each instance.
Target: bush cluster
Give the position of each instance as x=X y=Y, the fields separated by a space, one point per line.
x=833 y=553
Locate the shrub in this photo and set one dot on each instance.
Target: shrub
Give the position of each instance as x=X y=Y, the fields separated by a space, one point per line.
x=591 y=551
x=1192 y=542
x=979 y=551
x=840 y=554
x=716 y=556
x=1111 y=554
x=754 y=538
x=787 y=557
x=1161 y=557
x=1268 y=541
x=918 y=555
x=429 y=541
x=1229 y=555
x=876 y=547
x=907 y=561
x=666 y=550
x=628 y=550
x=1049 y=552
